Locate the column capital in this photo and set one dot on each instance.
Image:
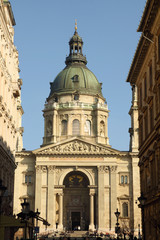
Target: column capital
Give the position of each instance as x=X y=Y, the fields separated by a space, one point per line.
x=103 y=169
x=51 y=169
x=113 y=169
x=38 y=168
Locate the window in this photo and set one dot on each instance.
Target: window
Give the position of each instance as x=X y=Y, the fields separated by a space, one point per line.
x=75 y=127
x=64 y=127
x=125 y=179
x=122 y=179
x=125 y=209
x=76 y=97
x=28 y=179
x=87 y=128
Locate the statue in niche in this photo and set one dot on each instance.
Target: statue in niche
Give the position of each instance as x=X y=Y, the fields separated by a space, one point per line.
x=102 y=129
x=49 y=128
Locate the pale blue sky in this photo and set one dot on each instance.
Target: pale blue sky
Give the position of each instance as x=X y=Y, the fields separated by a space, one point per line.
x=42 y=32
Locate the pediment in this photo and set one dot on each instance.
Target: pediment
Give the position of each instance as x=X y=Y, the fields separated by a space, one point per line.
x=76 y=146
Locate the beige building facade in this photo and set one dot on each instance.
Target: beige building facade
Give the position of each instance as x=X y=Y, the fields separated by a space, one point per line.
x=145 y=76
x=76 y=179
x=10 y=103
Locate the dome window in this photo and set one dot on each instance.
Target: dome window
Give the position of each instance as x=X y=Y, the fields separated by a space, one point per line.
x=76 y=97
x=64 y=127
x=76 y=127
x=75 y=78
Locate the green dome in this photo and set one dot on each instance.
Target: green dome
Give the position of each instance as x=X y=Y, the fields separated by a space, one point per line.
x=76 y=78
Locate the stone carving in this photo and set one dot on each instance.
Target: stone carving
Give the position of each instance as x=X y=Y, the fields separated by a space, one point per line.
x=77 y=147
x=103 y=169
x=38 y=168
x=51 y=169
x=44 y=168
x=113 y=168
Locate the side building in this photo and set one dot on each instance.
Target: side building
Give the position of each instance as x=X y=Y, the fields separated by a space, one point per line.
x=10 y=108
x=76 y=178
x=144 y=75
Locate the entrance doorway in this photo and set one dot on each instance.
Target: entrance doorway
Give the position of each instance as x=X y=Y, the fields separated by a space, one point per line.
x=76 y=202
x=76 y=217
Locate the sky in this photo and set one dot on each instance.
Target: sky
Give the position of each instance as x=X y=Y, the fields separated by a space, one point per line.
x=109 y=32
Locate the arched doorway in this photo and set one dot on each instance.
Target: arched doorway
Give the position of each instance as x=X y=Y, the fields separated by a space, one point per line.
x=76 y=201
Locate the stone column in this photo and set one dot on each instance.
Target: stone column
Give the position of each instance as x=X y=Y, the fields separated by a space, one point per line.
x=54 y=129
x=51 y=197
x=113 y=196
x=60 y=224
x=102 y=215
x=38 y=188
x=91 y=225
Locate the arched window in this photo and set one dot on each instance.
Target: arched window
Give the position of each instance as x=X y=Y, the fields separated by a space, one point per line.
x=87 y=127
x=125 y=209
x=122 y=179
x=75 y=127
x=125 y=179
x=64 y=127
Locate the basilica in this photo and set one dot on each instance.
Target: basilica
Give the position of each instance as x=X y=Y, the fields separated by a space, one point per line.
x=76 y=179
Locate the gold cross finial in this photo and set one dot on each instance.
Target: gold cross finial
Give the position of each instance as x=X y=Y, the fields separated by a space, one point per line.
x=76 y=25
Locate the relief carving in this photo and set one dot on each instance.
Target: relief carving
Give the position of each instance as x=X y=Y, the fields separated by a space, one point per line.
x=76 y=147
x=103 y=169
x=38 y=168
x=113 y=168
x=51 y=169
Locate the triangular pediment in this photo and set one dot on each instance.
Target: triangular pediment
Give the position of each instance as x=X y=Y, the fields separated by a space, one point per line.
x=76 y=146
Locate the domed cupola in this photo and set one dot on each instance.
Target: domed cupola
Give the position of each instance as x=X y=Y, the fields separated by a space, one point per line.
x=76 y=45
x=75 y=106
x=76 y=76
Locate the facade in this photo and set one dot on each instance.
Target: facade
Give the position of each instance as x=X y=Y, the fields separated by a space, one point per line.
x=10 y=104
x=10 y=119
x=145 y=76
x=76 y=179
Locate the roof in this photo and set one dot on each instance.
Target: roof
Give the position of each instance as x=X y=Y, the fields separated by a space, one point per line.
x=76 y=77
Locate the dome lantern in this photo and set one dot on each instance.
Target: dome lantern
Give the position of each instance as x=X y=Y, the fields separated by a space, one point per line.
x=76 y=45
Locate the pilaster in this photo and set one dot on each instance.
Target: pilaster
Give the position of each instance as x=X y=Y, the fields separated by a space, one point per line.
x=113 y=196
x=51 y=197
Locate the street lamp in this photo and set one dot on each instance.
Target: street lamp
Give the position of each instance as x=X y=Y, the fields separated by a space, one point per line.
x=117 y=228
x=142 y=200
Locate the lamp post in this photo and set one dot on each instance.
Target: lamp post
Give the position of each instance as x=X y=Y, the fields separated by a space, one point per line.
x=142 y=200
x=2 y=191
x=25 y=210
x=117 y=228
